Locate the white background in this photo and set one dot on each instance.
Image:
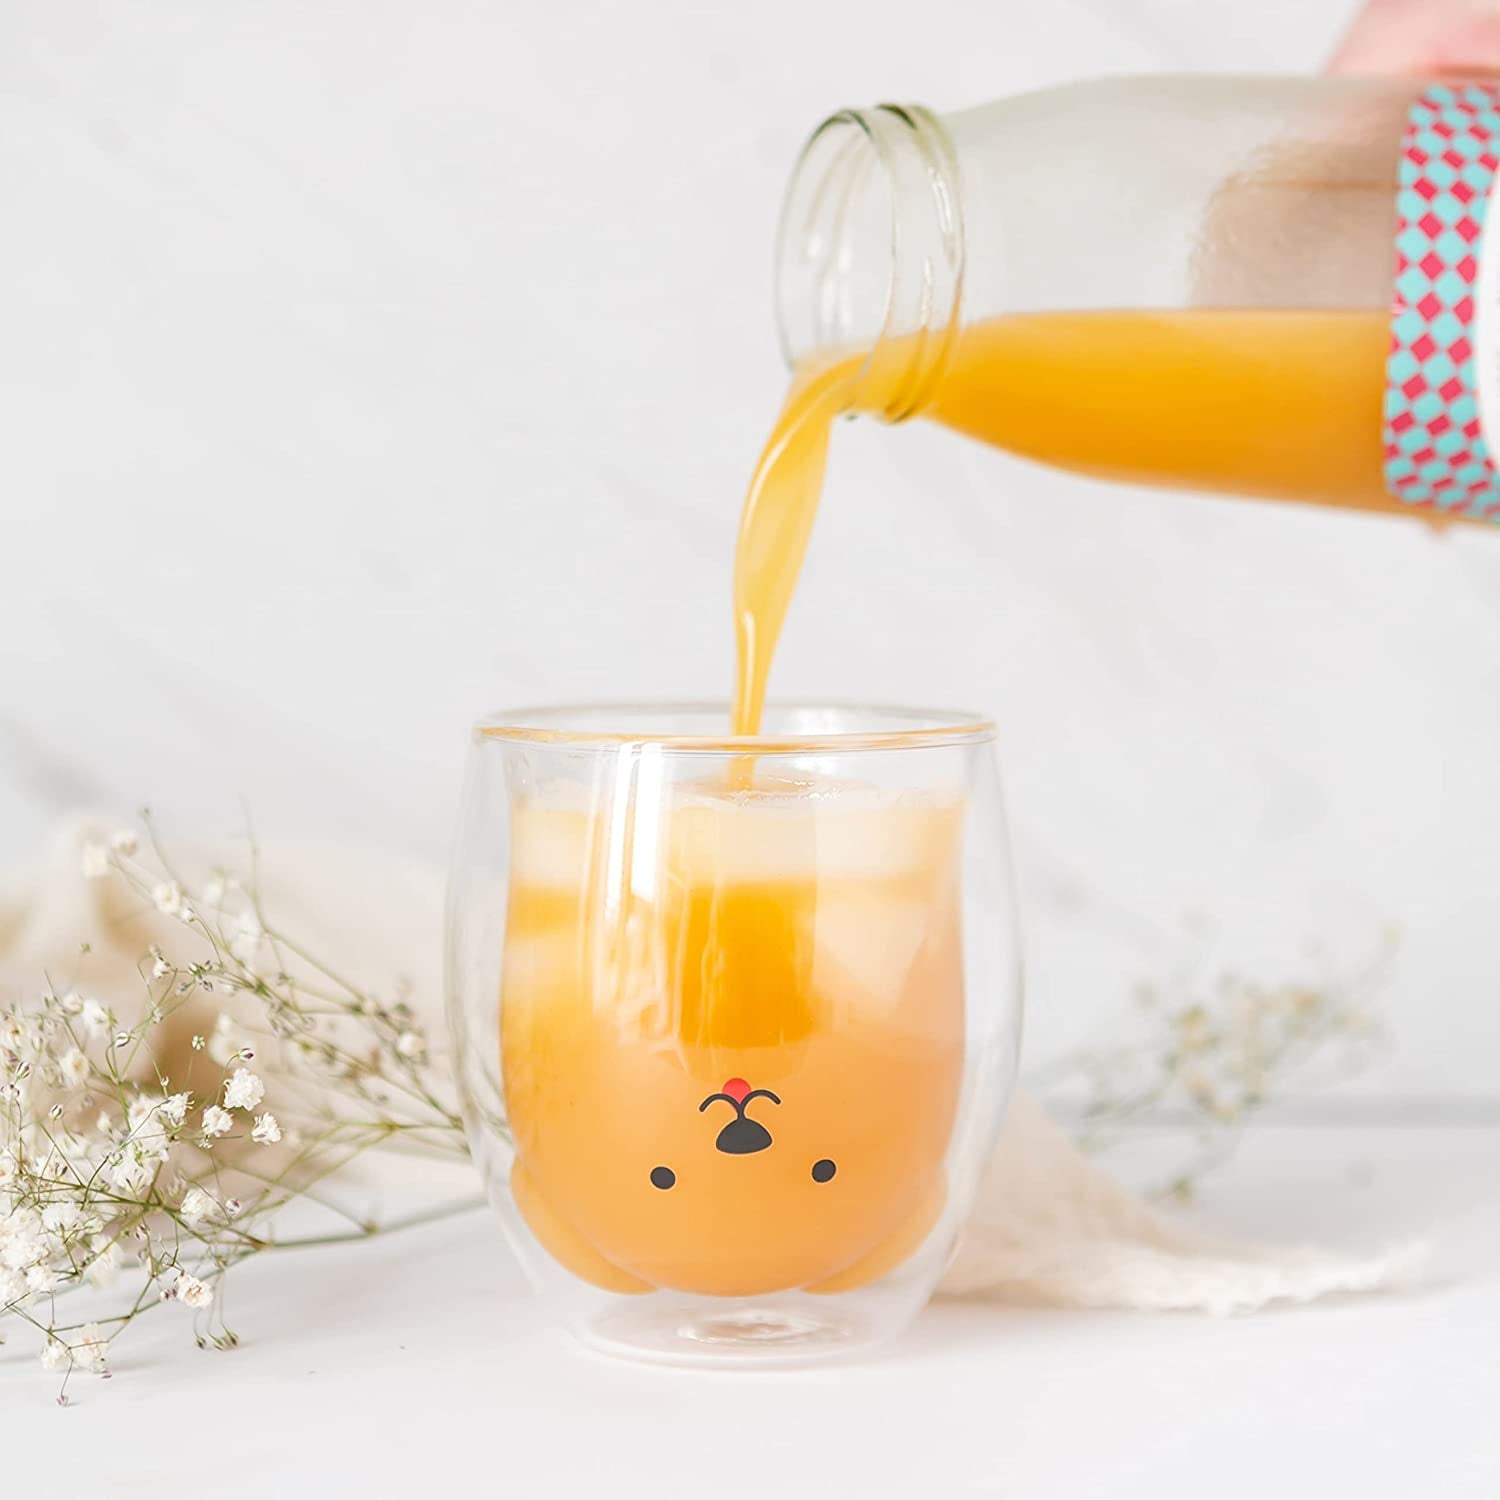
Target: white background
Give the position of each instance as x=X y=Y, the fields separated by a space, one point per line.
x=364 y=366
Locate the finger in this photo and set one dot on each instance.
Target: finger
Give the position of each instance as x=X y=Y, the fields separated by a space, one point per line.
x=1422 y=37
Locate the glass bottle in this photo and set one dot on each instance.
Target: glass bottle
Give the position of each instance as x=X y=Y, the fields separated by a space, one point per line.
x=1260 y=286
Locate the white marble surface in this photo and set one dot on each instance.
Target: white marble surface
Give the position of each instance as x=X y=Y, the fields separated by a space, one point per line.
x=421 y=1364
x=367 y=366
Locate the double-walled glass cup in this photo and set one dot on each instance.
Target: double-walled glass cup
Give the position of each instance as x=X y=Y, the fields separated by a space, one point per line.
x=735 y=1019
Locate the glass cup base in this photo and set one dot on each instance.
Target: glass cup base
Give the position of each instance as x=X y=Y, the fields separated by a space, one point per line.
x=769 y=1332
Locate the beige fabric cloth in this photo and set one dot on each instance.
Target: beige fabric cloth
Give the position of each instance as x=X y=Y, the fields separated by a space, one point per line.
x=1049 y=1225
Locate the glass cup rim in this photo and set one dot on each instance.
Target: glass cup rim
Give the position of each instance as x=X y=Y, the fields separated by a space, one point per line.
x=891 y=727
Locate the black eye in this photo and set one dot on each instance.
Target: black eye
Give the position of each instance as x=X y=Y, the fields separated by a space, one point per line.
x=823 y=1170
x=665 y=1177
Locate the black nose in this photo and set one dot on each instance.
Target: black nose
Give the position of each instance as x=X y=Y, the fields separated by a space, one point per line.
x=742 y=1136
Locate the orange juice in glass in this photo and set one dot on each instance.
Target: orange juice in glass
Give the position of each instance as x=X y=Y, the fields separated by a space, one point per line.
x=747 y=1009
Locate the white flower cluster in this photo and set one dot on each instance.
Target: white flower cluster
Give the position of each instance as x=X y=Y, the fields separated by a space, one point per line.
x=106 y=1167
x=89 y=1161
x=1214 y=1047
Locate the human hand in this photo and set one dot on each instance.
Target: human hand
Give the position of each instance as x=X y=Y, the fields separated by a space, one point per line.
x=1422 y=36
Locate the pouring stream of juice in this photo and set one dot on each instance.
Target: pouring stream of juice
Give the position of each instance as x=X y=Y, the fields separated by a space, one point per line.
x=1282 y=405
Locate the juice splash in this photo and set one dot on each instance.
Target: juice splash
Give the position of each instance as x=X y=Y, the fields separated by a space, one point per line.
x=1277 y=404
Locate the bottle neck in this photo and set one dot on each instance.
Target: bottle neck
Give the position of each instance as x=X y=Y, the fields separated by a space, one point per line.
x=870 y=254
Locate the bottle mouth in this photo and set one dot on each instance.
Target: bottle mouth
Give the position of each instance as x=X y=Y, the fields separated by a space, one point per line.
x=870 y=254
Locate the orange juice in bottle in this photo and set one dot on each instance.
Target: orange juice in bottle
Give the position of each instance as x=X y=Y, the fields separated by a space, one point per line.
x=1270 y=288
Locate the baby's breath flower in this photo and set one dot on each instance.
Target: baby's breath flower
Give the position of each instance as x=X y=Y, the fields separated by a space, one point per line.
x=82 y=1201
x=196 y=1205
x=63 y=1219
x=41 y=1277
x=192 y=1292
x=124 y=841
x=92 y=1347
x=166 y=896
x=244 y=1090
x=94 y=1018
x=131 y=1170
x=94 y=861
x=22 y=1243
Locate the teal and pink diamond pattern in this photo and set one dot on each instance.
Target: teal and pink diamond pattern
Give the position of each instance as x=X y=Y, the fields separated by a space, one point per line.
x=1435 y=452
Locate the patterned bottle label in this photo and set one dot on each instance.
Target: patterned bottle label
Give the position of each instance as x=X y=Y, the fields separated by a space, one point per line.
x=1441 y=386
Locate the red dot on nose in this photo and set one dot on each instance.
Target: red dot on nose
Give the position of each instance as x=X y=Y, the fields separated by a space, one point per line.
x=736 y=1088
